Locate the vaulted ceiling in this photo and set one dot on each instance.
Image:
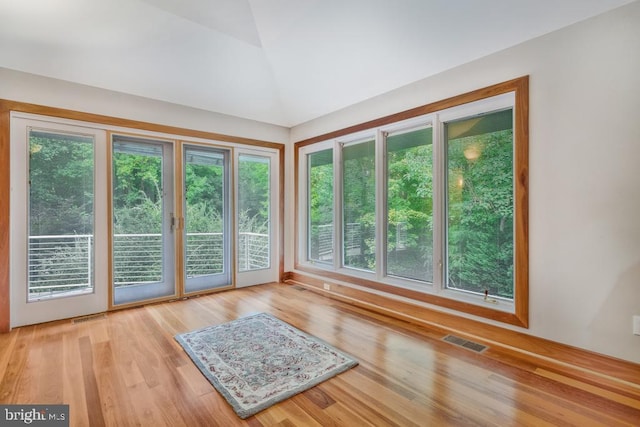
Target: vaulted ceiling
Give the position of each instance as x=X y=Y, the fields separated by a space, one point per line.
x=277 y=61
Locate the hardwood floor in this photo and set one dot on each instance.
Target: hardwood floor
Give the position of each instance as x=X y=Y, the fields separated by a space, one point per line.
x=126 y=369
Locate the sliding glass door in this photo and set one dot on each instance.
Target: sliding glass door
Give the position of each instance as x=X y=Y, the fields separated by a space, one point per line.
x=102 y=219
x=144 y=221
x=206 y=210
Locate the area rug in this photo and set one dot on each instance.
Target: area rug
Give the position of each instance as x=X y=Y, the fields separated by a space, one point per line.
x=259 y=360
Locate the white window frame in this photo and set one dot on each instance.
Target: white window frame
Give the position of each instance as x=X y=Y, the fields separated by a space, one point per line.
x=303 y=223
x=436 y=121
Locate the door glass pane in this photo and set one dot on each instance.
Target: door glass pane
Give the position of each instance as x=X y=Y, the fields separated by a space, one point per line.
x=254 y=205
x=142 y=200
x=61 y=215
x=205 y=181
x=359 y=209
x=410 y=205
x=320 y=179
x=480 y=204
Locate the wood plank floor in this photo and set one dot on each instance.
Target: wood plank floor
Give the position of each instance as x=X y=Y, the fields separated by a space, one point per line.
x=126 y=369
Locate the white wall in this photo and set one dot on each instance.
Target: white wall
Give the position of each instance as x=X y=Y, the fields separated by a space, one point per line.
x=584 y=172
x=23 y=87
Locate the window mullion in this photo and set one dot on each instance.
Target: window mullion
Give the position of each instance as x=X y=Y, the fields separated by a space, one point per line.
x=381 y=204
x=338 y=174
x=439 y=208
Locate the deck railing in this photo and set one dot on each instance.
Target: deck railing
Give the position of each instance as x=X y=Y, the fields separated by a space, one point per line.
x=63 y=263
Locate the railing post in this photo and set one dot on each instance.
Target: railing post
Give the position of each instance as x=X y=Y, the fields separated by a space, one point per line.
x=89 y=263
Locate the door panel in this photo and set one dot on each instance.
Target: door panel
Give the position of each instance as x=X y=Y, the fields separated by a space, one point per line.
x=143 y=245
x=58 y=214
x=257 y=217
x=207 y=220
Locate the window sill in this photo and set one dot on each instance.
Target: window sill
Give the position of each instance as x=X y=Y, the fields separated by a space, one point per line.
x=501 y=311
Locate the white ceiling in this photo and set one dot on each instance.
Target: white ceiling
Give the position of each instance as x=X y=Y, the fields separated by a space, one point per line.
x=277 y=61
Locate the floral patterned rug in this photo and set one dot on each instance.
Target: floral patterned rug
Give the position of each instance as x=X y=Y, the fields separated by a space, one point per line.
x=259 y=360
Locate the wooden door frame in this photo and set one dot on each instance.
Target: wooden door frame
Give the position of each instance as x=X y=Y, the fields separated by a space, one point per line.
x=8 y=106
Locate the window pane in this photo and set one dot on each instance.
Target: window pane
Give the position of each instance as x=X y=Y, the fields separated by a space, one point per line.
x=204 y=205
x=320 y=193
x=137 y=214
x=359 y=209
x=61 y=198
x=410 y=205
x=253 y=207
x=480 y=204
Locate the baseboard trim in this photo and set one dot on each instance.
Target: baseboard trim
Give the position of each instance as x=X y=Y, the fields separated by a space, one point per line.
x=578 y=366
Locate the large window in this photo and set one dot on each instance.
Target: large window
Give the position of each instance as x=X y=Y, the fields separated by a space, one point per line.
x=409 y=185
x=359 y=205
x=480 y=204
x=254 y=207
x=428 y=205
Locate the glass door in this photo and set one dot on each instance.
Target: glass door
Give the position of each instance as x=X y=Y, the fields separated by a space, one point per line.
x=207 y=252
x=257 y=216
x=144 y=222
x=58 y=221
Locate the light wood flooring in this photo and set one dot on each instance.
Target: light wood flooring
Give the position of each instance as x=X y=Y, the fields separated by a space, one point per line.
x=126 y=369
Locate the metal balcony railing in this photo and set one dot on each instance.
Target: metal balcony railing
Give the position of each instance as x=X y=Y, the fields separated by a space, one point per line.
x=253 y=251
x=60 y=264
x=64 y=264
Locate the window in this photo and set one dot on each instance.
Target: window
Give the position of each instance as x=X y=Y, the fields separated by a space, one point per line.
x=409 y=209
x=320 y=206
x=359 y=205
x=429 y=205
x=61 y=215
x=480 y=204
x=254 y=212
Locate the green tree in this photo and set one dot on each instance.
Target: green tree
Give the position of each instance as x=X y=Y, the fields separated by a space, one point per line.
x=321 y=205
x=410 y=209
x=359 y=198
x=480 y=232
x=204 y=194
x=61 y=185
x=253 y=194
x=137 y=193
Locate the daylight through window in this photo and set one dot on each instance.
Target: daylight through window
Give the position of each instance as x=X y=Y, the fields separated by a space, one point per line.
x=426 y=204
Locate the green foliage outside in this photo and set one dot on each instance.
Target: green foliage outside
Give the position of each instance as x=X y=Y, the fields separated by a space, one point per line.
x=253 y=194
x=61 y=203
x=479 y=201
x=479 y=209
x=61 y=194
x=409 y=210
x=137 y=194
x=321 y=206
x=61 y=186
x=254 y=212
x=359 y=206
x=480 y=232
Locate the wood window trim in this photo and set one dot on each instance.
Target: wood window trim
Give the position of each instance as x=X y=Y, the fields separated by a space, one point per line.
x=520 y=316
x=5 y=191
x=9 y=106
